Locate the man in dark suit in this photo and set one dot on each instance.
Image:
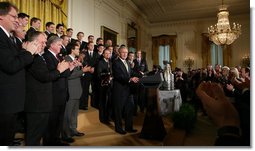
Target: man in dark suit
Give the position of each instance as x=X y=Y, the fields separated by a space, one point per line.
x=12 y=73
x=59 y=30
x=23 y=19
x=104 y=72
x=35 y=24
x=140 y=68
x=50 y=28
x=69 y=34
x=83 y=46
x=121 y=92
x=59 y=92
x=19 y=35
x=38 y=103
x=63 y=51
x=91 y=59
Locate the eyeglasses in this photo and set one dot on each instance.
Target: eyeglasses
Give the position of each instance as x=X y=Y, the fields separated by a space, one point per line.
x=14 y=16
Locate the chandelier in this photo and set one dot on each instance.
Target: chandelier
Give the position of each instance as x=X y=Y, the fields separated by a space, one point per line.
x=221 y=33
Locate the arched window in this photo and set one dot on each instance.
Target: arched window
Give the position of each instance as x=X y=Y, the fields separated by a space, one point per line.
x=164 y=54
x=216 y=54
x=164 y=48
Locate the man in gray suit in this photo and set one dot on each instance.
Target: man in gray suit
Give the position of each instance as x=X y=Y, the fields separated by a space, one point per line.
x=75 y=91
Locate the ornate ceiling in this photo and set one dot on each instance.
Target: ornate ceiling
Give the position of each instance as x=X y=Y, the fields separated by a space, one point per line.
x=174 y=10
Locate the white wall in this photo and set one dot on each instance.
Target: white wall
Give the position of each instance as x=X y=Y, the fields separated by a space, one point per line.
x=89 y=15
x=189 y=38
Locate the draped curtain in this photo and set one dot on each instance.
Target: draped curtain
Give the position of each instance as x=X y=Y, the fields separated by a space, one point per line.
x=164 y=40
x=206 y=52
x=46 y=10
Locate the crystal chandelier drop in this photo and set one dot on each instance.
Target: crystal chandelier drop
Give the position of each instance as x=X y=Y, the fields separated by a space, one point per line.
x=221 y=33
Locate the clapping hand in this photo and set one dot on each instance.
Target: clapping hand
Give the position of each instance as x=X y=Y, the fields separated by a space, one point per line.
x=62 y=66
x=217 y=105
x=33 y=47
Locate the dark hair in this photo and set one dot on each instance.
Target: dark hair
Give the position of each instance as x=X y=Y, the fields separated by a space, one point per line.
x=34 y=19
x=80 y=33
x=106 y=50
x=32 y=35
x=59 y=25
x=5 y=8
x=99 y=39
x=90 y=36
x=68 y=29
x=23 y=15
x=70 y=47
x=100 y=45
x=63 y=36
x=49 y=23
x=130 y=52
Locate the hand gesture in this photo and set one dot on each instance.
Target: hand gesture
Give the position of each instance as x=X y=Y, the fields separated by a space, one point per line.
x=91 y=70
x=86 y=68
x=77 y=63
x=217 y=105
x=72 y=65
x=62 y=66
x=32 y=47
x=134 y=79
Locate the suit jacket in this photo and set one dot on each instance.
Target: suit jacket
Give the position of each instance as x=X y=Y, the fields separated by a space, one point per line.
x=63 y=52
x=60 y=85
x=47 y=33
x=39 y=86
x=12 y=75
x=91 y=61
x=83 y=46
x=120 y=80
x=104 y=69
x=143 y=67
x=18 y=43
x=74 y=82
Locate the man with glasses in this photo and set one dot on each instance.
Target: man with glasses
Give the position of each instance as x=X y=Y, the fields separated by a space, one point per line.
x=12 y=73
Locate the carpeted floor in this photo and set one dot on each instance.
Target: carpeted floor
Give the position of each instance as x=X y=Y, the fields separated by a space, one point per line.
x=98 y=134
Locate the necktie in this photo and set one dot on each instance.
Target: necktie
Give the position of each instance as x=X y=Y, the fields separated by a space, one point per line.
x=43 y=59
x=126 y=65
x=139 y=62
x=12 y=39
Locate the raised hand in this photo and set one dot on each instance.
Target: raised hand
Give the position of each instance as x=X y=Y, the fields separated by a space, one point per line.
x=33 y=47
x=217 y=105
x=86 y=68
x=62 y=66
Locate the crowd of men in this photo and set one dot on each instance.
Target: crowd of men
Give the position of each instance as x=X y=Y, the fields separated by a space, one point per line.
x=46 y=77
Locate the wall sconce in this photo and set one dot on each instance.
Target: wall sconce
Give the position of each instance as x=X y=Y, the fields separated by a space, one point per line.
x=245 y=61
x=188 y=62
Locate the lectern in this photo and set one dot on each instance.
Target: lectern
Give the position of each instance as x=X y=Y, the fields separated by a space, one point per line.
x=153 y=126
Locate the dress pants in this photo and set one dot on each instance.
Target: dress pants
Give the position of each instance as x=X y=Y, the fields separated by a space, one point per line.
x=37 y=124
x=70 y=118
x=55 y=125
x=124 y=107
x=104 y=103
x=7 y=128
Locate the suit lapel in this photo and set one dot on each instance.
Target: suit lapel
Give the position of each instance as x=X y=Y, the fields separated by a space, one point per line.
x=123 y=67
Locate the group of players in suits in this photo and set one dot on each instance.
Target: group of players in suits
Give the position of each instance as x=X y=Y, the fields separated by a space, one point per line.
x=49 y=80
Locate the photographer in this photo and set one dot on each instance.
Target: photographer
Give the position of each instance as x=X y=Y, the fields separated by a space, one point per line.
x=104 y=71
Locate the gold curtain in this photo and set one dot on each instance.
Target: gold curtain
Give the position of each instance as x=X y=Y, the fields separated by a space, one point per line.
x=206 y=55
x=164 y=40
x=206 y=52
x=227 y=54
x=46 y=10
